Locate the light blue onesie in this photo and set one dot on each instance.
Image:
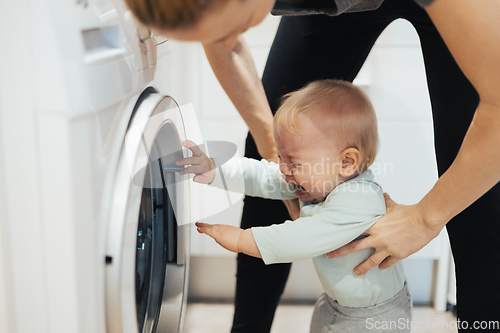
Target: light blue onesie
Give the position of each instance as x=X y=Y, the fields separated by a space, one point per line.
x=347 y=211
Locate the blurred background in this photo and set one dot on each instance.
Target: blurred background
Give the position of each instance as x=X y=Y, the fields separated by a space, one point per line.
x=73 y=78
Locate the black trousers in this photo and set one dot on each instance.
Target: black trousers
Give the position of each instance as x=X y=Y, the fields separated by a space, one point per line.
x=309 y=48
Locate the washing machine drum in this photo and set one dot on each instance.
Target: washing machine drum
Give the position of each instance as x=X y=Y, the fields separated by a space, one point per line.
x=147 y=261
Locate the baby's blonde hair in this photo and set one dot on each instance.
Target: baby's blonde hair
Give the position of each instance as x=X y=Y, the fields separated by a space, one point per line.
x=347 y=116
x=171 y=14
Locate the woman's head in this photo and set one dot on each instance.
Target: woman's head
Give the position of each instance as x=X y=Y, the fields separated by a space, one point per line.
x=207 y=21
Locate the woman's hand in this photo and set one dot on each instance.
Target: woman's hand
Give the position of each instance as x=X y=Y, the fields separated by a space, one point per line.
x=400 y=233
x=201 y=165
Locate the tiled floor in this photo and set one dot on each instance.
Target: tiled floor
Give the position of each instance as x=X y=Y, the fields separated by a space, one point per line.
x=216 y=318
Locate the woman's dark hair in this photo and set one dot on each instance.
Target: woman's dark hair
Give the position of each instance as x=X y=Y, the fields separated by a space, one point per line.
x=171 y=14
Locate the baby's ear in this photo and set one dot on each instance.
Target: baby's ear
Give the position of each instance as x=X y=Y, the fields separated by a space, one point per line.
x=351 y=158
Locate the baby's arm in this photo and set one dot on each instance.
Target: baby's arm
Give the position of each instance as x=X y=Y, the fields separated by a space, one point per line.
x=346 y=214
x=231 y=238
x=241 y=175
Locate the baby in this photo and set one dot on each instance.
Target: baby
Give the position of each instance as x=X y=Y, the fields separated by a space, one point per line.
x=326 y=137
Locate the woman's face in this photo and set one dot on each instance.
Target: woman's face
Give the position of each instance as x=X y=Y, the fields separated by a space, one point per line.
x=225 y=24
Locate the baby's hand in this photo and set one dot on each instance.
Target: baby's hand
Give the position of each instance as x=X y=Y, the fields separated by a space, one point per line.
x=201 y=165
x=226 y=236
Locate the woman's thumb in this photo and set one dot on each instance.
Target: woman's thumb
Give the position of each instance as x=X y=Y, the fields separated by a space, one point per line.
x=389 y=203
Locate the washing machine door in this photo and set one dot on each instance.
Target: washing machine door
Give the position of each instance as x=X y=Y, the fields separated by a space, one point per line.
x=147 y=252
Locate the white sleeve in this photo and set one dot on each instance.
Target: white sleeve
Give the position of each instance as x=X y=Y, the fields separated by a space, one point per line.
x=252 y=177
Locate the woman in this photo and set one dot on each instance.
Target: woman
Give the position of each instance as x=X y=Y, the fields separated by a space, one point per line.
x=466 y=112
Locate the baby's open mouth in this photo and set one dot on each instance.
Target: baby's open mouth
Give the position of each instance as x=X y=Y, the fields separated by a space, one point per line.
x=299 y=188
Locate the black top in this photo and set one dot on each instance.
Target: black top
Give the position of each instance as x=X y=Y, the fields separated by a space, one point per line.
x=328 y=7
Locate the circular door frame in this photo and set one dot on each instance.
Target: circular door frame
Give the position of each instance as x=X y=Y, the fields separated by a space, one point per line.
x=149 y=117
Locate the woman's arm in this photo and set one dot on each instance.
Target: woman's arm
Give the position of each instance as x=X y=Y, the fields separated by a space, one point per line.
x=236 y=72
x=471 y=30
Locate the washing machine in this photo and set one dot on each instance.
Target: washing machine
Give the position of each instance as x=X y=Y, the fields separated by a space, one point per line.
x=94 y=216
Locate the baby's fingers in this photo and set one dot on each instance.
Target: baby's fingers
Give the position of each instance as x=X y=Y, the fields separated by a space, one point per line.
x=193 y=147
x=195 y=160
x=203 y=228
x=192 y=169
x=202 y=179
x=196 y=169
